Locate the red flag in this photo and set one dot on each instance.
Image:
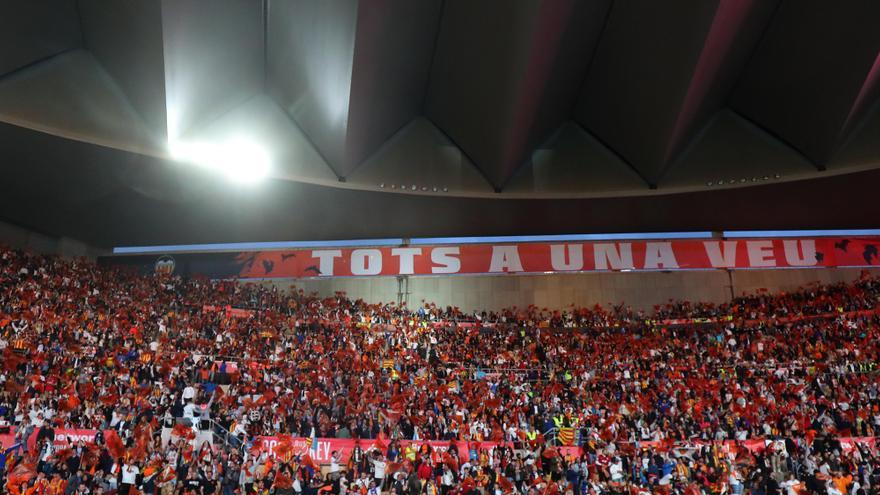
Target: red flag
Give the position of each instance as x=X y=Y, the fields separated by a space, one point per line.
x=381 y=443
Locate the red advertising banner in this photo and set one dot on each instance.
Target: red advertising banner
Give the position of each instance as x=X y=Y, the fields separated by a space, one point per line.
x=562 y=257
x=229 y=311
x=326 y=446
x=62 y=437
x=7 y=440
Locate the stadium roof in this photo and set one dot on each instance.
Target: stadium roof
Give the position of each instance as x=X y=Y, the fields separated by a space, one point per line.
x=399 y=118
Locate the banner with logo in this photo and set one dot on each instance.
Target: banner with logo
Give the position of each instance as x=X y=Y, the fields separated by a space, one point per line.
x=324 y=447
x=228 y=311
x=563 y=257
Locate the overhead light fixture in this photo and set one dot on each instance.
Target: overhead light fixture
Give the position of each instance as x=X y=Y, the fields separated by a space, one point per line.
x=382 y=185
x=239 y=159
x=777 y=176
x=709 y=183
x=434 y=189
x=445 y=189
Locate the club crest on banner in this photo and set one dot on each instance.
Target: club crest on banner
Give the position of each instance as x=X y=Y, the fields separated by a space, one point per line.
x=164 y=265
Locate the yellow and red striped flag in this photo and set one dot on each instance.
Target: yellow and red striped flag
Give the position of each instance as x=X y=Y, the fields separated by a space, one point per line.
x=565 y=436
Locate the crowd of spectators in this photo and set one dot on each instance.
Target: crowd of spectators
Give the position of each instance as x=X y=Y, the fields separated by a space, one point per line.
x=152 y=359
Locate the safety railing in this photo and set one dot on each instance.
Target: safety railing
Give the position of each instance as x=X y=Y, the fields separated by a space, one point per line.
x=223 y=436
x=565 y=436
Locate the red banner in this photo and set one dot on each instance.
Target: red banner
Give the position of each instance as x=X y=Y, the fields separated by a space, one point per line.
x=229 y=311
x=62 y=436
x=7 y=441
x=563 y=257
x=326 y=446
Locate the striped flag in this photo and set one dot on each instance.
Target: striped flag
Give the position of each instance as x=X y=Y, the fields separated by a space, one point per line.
x=565 y=436
x=312 y=442
x=387 y=363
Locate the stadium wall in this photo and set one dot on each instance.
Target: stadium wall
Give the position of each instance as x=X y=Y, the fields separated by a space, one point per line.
x=641 y=290
x=21 y=238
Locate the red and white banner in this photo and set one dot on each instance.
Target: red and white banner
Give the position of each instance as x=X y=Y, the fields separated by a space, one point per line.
x=563 y=257
x=326 y=446
x=229 y=311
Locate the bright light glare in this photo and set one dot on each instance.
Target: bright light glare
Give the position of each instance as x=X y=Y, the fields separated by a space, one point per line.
x=238 y=159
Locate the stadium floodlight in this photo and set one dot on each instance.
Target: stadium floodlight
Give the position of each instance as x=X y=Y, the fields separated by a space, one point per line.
x=239 y=159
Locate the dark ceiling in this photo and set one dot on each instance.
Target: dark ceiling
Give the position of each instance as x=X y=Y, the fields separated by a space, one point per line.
x=439 y=117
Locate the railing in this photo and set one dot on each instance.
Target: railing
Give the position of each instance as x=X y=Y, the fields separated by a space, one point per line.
x=224 y=436
x=551 y=436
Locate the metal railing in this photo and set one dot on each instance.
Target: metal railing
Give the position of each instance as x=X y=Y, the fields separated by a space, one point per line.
x=224 y=436
x=551 y=437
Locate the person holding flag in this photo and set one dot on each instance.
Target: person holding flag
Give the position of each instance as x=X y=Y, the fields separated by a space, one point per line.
x=308 y=456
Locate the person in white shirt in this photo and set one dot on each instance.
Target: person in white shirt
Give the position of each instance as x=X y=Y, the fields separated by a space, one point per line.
x=189 y=393
x=831 y=489
x=379 y=470
x=334 y=466
x=297 y=485
x=36 y=419
x=47 y=452
x=129 y=478
x=789 y=485
x=735 y=481
x=448 y=479
x=191 y=412
x=615 y=469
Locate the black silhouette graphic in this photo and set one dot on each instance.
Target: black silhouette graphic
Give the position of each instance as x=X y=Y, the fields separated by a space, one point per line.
x=313 y=268
x=842 y=245
x=268 y=265
x=869 y=253
x=285 y=257
x=819 y=256
x=248 y=263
